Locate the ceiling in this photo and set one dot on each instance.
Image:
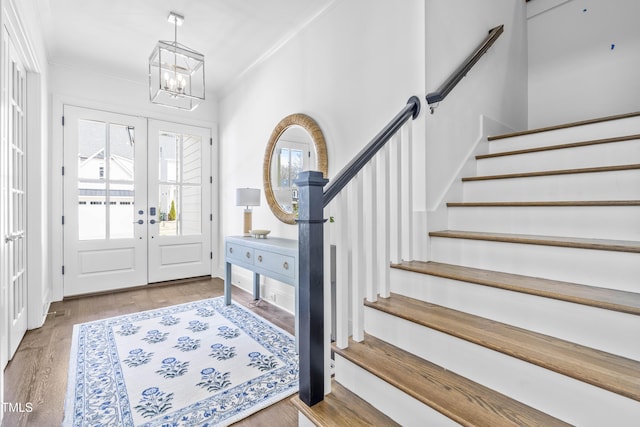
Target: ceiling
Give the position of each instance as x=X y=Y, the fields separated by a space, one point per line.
x=116 y=37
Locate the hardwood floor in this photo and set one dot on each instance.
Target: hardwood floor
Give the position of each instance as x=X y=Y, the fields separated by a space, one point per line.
x=38 y=372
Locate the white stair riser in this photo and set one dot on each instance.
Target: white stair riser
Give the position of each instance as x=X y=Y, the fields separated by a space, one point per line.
x=607 y=269
x=611 y=154
x=605 y=330
x=573 y=401
x=597 y=222
x=617 y=185
x=389 y=400
x=630 y=126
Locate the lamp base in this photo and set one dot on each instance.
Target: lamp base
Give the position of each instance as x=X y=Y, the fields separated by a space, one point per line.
x=247 y=222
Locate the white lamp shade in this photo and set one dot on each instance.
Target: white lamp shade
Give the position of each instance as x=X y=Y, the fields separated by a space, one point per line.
x=247 y=197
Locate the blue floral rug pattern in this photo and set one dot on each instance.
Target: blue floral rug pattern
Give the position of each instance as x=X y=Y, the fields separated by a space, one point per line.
x=195 y=364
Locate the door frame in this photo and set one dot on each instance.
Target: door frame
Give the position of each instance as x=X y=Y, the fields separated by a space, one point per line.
x=36 y=150
x=56 y=180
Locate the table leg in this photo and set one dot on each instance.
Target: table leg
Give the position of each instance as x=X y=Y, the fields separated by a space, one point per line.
x=256 y=286
x=227 y=285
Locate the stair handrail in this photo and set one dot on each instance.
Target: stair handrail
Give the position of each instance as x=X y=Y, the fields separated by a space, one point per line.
x=411 y=110
x=311 y=203
x=441 y=93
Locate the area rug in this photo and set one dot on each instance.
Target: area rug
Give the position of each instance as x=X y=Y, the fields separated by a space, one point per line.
x=196 y=364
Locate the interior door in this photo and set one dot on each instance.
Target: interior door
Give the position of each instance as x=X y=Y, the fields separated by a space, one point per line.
x=15 y=150
x=179 y=201
x=105 y=201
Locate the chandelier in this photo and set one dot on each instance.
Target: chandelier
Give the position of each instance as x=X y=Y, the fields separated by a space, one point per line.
x=176 y=72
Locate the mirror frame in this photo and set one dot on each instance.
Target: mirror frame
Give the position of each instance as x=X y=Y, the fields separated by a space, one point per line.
x=317 y=138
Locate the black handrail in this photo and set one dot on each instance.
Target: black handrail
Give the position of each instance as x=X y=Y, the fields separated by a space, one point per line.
x=411 y=110
x=463 y=69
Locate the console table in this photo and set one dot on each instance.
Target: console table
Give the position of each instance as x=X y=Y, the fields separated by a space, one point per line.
x=272 y=257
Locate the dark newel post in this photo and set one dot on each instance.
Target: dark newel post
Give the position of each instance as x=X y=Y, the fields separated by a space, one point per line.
x=310 y=286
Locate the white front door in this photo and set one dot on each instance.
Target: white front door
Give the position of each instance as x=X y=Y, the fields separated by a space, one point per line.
x=14 y=151
x=179 y=201
x=105 y=201
x=137 y=200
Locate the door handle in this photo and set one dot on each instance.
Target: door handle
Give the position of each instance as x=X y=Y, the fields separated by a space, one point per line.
x=13 y=237
x=139 y=222
x=153 y=221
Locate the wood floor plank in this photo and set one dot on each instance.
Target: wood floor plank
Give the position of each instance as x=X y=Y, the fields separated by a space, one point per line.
x=565 y=125
x=599 y=169
x=38 y=372
x=567 y=242
x=610 y=372
x=342 y=408
x=564 y=203
x=462 y=400
x=608 y=299
x=559 y=146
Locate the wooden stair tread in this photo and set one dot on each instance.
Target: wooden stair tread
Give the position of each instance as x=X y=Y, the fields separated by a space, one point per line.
x=567 y=242
x=608 y=299
x=341 y=408
x=462 y=400
x=553 y=172
x=562 y=203
x=614 y=373
x=565 y=125
x=559 y=146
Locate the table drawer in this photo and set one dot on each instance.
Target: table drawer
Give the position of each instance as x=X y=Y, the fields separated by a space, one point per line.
x=240 y=253
x=277 y=263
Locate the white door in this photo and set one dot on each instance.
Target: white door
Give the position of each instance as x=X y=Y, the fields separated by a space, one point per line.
x=179 y=201
x=14 y=150
x=105 y=201
x=137 y=201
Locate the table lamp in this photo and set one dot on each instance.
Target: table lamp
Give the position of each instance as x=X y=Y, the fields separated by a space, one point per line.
x=247 y=197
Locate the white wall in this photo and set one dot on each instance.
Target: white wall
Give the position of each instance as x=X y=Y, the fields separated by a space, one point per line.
x=574 y=74
x=352 y=70
x=496 y=87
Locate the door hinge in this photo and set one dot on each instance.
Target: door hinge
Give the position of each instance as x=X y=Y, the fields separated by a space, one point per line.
x=63 y=171
x=63 y=270
x=62 y=219
x=211 y=141
x=62 y=120
x=210 y=217
x=210 y=180
x=211 y=255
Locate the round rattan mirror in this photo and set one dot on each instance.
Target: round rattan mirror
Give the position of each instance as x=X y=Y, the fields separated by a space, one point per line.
x=296 y=144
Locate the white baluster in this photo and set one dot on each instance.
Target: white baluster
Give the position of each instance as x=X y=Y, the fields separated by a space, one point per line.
x=384 y=229
x=343 y=284
x=357 y=260
x=395 y=198
x=370 y=234
x=407 y=192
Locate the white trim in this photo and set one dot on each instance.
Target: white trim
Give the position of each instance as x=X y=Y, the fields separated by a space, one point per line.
x=22 y=42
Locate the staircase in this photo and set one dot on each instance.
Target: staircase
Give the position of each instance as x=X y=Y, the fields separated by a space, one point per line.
x=528 y=312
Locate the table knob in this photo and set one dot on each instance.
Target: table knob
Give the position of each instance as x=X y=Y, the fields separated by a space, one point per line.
x=285 y=265
x=259 y=258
